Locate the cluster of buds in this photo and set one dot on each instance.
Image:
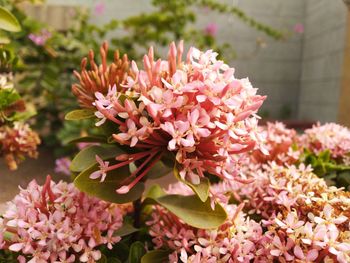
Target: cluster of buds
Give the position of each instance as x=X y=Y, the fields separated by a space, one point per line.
x=58 y=223
x=17 y=142
x=194 y=111
x=100 y=77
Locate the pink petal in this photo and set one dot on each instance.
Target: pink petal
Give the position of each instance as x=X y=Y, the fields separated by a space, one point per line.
x=123 y=190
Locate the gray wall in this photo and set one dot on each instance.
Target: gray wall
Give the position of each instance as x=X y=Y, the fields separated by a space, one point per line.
x=322 y=59
x=300 y=74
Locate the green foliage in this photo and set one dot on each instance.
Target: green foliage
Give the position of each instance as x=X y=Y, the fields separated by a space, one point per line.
x=137 y=250
x=156 y=256
x=328 y=168
x=106 y=190
x=87 y=157
x=8 y=97
x=190 y=209
x=80 y=114
x=158 y=170
x=201 y=189
x=8 y=21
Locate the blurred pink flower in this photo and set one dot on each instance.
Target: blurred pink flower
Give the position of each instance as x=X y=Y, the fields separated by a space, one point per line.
x=299 y=28
x=99 y=8
x=41 y=38
x=211 y=29
x=62 y=165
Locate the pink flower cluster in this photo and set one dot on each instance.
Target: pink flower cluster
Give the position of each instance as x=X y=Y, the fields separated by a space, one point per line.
x=195 y=111
x=235 y=241
x=41 y=38
x=330 y=136
x=302 y=220
x=17 y=142
x=279 y=142
x=57 y=223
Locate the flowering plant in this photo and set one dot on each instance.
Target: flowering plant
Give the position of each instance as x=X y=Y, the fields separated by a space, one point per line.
x=245 y=193
x=192 y=116
x=17 y=140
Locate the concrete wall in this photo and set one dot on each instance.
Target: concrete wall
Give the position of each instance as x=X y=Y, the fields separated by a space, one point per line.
x=300 y=74
x=322 y=59
x=275 y=70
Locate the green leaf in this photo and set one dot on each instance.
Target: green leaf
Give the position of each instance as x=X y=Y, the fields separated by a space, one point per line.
x=158 y=170
x=87 y=157
x=103 y=259
x=80 y=114
x=113 y=260
x=4 y=39
x=343 y=179
x=155 y=191
x=106 y=190
x=90 y=138
x=193 y=211
x=137 y=250
x=8 y=21
x=201 y=189
x=156 y=256
x=125 y=230
x=8 y=97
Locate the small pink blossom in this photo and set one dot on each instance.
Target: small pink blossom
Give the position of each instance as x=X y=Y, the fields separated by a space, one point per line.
x=299 y=28
x=41 y=38
x=103 y=168
x=62 y=165
x=211 y=29
x=99 y=8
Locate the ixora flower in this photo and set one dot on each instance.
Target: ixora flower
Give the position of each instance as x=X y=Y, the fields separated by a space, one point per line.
x=194 y=112
x=41 y=38
x=237 y=240
x=100 y=77
x=17 y=142
x=279 y=142
x=328 y=137
x=58 y=223
x=302 y=228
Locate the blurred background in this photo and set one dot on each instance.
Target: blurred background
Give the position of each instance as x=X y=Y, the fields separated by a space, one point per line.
x=296 y=52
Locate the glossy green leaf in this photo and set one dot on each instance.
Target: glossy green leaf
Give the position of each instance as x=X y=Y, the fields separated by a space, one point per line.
x=103 y=259
x=158 y=170
x=113 y=260
x=91 y=138
x=137 y=250
x=125 y=230
x=8 y=21
x=193 y=211
x=343 y=179
x=87 y=157
x=8 y=97
x=201 y=189
x=80 y=114
x=4 y=39
x=106 y=190
x=156 y=256
x=155 y=191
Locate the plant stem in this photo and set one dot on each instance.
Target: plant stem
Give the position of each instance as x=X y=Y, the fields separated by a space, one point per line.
x=137 y=213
